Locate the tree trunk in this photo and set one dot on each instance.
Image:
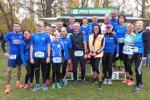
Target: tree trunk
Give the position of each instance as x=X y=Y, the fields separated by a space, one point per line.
x=6 y=17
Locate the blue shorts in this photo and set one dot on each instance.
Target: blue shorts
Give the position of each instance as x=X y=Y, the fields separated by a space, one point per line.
x=13 y=62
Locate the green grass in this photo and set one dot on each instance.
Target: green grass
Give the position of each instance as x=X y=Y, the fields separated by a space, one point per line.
x=116 y=91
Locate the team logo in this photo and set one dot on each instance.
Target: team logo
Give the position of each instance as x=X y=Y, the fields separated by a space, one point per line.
x=75 y=11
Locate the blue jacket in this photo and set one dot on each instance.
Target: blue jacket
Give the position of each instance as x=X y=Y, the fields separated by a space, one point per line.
x=111 y=44
x=115 y=23
x=139 y=42
x=66 y=43
x=25 y=51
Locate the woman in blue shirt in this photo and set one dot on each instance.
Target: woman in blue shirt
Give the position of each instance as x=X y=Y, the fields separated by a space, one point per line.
x=111 y=46
x=139 y=55
x=120 y=33
x=25 y=56
x=57 y=57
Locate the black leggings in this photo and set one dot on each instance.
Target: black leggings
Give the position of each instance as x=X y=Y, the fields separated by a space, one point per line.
x=30 y=72
x=138 y=68
x=64 y=66
x=40 y=64
x=95 y=64
x=107 y=65
x=128 y=63
x=75 y=61
x=48 y=70
x=56 y=72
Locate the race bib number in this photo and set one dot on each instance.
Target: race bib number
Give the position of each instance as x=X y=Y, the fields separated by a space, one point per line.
x=136 y=49
x=120 y=40
x=115 y=76
x=128 y=48
x=16 y=41
x=39 y=54
x=57 y=60
x=78 y=53
x=12 y=57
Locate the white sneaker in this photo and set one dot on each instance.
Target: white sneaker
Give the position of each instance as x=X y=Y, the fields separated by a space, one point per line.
x=109 y=81
x=105 y=81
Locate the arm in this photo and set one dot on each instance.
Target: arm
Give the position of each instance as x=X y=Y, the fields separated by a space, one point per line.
x=31 y=54
x=102 y=46
x=145 y=42
x=85 y=43
x=3 y=46
x=22 y=53
x=117 y=44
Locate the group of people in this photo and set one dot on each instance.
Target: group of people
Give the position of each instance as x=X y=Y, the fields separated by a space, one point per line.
x=112 y=42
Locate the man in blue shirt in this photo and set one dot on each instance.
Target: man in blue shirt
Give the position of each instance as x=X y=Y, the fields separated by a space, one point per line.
x=85 y=28
x=14 y=60
x=78 y=49
x=94 y=21
x=66 y=42
x=114 y=20
x=40 y=54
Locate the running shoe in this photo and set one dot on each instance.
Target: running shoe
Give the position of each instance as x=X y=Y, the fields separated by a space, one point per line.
x=36 y=87
x=100 y=85
x=130 y=83
x=18 y=84
x=84 y=82
x=44 y=87
x=64 y=81
x=8 y=89
x=136 y=89
x=105 y=81
x=109 y=81
x=31 y=85
x=58 y=86
x=53 y=86
x=25 y=86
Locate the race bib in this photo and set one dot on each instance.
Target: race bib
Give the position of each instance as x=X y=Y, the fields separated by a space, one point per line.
x=78 y=53
x=12 y=57
x=120 y=40
x=16 y=41
x=57 y=60
x=128 y=48
x=39 y=54
x=136 y=49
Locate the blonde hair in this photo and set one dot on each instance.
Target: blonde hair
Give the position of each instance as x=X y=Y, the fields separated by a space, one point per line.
x=129 y=25
x=40 y=23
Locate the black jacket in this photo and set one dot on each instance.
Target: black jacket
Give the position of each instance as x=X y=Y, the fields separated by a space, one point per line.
x=146 y=40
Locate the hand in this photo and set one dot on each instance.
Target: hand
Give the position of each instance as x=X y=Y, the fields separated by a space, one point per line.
x=32 y=61
x=47 y=60
x=144 y=58
x=117 y=55
x=69 y=61
x=114 y=32
x=6 y=55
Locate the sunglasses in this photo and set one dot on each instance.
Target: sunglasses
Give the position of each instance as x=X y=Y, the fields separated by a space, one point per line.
x=108 y=27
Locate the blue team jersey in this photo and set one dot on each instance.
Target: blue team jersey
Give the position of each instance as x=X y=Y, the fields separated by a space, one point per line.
x=25 y=51
x=111 y=43
x=91 y=24
x=121 y=33
x=40 y=43
x=115 y=23
x=66 y=43
x=14 y=40
x=139 y=46
x=87 y=30
x=56 y=51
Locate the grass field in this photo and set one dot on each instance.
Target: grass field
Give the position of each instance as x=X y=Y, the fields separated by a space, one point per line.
x=116 y=91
